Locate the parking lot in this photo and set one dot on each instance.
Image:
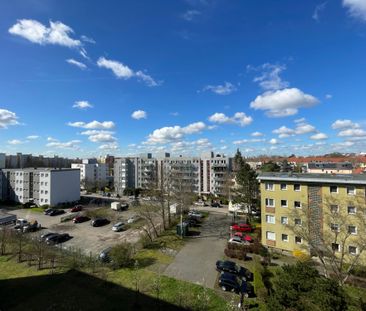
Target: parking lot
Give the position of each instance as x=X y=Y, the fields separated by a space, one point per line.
x=196 y=260
x=84 y=236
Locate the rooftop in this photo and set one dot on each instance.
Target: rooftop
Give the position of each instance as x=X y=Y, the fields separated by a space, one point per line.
x=315 y=178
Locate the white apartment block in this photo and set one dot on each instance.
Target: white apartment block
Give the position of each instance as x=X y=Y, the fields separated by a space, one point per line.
x=43 y=186
x=92 y=173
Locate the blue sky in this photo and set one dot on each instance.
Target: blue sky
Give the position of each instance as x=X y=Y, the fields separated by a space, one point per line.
x=81 y=78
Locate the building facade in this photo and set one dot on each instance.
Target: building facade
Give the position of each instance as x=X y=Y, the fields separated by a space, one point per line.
x=325 y=208
x=42 y=186
x=92 y=173
x=330 y=168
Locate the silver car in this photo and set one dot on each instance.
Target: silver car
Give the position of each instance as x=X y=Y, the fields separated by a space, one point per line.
x=118 y=227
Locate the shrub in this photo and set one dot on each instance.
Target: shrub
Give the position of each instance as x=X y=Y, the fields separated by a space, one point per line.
x=235 y=253
x=121 y=255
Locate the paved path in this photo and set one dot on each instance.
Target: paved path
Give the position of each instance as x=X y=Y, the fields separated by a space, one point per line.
x=196 y=261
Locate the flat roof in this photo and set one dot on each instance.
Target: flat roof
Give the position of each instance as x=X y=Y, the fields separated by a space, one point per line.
x=356 y=179
x=41 y=169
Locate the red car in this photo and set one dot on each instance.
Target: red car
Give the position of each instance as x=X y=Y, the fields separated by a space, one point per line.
x=80 y=219
x=244 y=237
x=241 y=228
x=76 y=208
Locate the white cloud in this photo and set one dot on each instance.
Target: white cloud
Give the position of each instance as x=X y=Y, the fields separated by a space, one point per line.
x=72 y=144
x=328 y=96
x=95 y=132
x=15 y=142
x=301 y=128
x=343 y=124
x=320 y=7
x=82 y=104
x=32 y=137
x=256 y=134
x=51 y=139
x=284 y=132
x=283 y=103
x=87 y=39
x=239 y=118
x=139 y=114
x=102 y=137
x=225 y=89
x=356 y=8
x=319 y=136
x=76 y=63
x=122 y=71
x=240 y=142
x=190 y=15
x=174 y=133
x=7 y=118
x=111 y=146
x=57 y=33
x=355 y=132
x=270 y=76
x=273 y=141
x=304 y=128
x=93 y=125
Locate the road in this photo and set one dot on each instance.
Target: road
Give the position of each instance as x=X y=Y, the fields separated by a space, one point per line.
x=196 y=260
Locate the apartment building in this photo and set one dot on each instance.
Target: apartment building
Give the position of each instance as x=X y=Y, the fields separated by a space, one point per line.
x=316 y=203
x=43 y=186
x=330 y=168
x=2 y=160
x=206 y=174
x=92 y=173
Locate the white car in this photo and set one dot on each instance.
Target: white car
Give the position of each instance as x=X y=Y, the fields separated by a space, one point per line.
x=200 y=203
x=118 y=227
x=132 y=219
x=236 y=240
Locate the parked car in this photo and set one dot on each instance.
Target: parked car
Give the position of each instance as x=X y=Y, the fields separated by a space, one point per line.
x=44 y=236
x=29 y=205
x=56 y=212
x=232 y=267
x=99 y=222
x=32 y=226
x=194 y=213
x=50 y=237
x=192 y=222
x=20 y=223
x=80 y=219
x=76 y=208
x=48 y=210
x=200 y=203
x=230 y=282
x=133 y=219
x=215 y=204
x=244 y=237
x=58 y=238
x=118 y=227
x=104 y=255
x=237 y=240
x=241 y=227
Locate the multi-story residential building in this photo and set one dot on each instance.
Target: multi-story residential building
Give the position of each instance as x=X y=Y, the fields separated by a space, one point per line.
x=330 y=168
x=92 y=173
x=206 y=174
x=2 y=160
x=321 y=204
x=43 y=186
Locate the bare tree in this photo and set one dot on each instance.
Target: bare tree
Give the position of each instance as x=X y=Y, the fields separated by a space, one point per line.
x=333 y=232
x=4 y=240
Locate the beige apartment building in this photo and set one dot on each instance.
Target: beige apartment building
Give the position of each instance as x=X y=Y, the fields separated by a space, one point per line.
x=327 y=209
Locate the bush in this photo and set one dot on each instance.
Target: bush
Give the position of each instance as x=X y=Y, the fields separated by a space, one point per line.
x=121 y=256
x=235 y=253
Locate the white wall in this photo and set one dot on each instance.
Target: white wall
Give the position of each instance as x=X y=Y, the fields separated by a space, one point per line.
x=65 y=186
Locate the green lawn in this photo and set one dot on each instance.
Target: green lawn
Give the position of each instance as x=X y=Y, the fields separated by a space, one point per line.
x=10 y=269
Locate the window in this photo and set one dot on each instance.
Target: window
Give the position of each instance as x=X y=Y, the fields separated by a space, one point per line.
x=298 y=240
x=352 y=229
x=284 y=237
x=283 y=203
x=271 y=236
x=336 y=247
x=270 y=219
x=351 y=210
x=270 y=202
x=269 y=187
x=284 y=220
x=351 y=190
x=298 y=221
x=352 y=250
x=334 y=227
x=283 y=187
x=297 y=204
x=297 y=187
x=333 y=189
x=334 y=208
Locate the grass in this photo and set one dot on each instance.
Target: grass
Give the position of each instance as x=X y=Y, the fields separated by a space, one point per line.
x=37 y=209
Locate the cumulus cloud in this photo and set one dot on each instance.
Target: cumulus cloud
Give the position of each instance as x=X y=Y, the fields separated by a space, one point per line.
x=257 y=134
x=76 y=63
x=111 y=146
x=57 y=33
x=283 y=103
x=32 y=137
x=319 y=136
x=7 y=118
x=273 y=141
x=301 y=128
x=353 y=132
x=103 y=137
x=174 y=133
x=343 y=124
x=225 y=89
x=270 y=79
x=190 y=15
x=15 y=142
x=320 y=7
x=239 y=118
x=72 y=144
x=82 y=104
x=284 y=132
x=356 y=8
x=93 y=124
x=122 y=71
x=139 y=114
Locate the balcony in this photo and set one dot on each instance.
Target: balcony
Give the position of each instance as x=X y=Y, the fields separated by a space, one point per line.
x=270 y=209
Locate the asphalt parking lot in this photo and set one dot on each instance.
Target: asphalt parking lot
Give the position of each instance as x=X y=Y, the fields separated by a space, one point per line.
x=84 y=236
x=196 y=260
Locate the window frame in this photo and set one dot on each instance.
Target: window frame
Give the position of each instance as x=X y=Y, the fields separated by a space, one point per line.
x=271 y=217
x=296 y=206
x=330 y=189
x=354 y=190
x=282 y=222
x=282 y=237
x=286 y=203
x=297 y=237
x=348 y=208
x=271 y=232
x=351 y=253
x=298 y=189
x=349 y=231
x=267 y=205
x=283 y=189
x=269 y=188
